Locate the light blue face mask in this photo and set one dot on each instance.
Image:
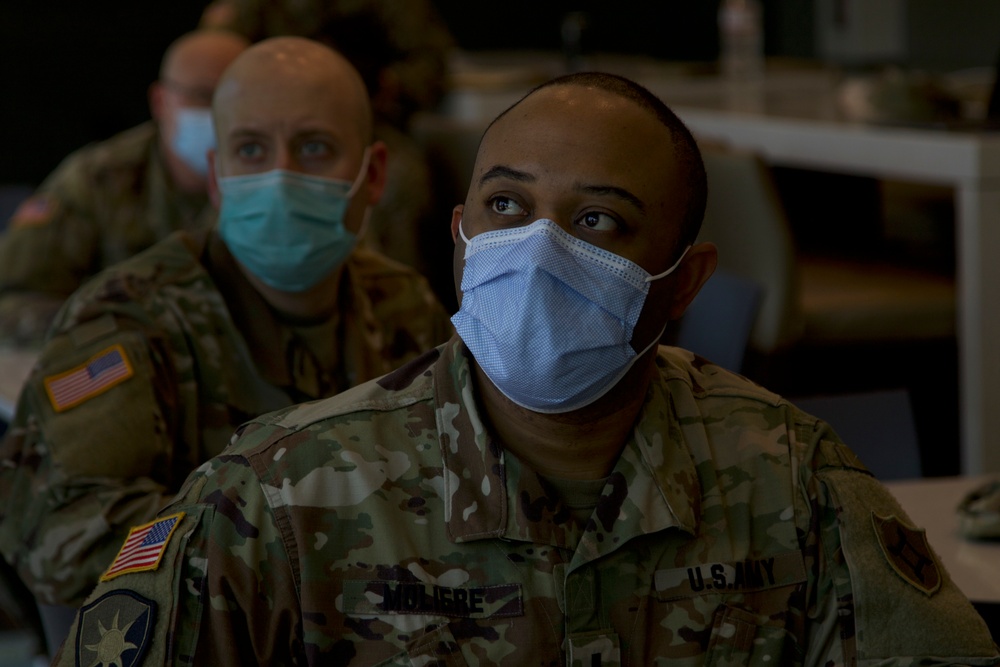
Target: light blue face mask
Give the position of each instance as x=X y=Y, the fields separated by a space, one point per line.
x=193 y=137
x=548 y=317
x=288 y=228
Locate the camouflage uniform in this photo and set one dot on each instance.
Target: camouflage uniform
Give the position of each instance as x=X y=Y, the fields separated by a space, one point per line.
x=147 y=372
x=103 y=204
x=384 y=527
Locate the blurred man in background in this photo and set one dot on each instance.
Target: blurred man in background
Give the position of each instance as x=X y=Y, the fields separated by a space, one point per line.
x=109 y=200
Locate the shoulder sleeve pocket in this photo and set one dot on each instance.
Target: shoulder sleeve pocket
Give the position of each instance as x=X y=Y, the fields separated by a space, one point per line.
x=152 y=611
x=97 y=407
x=905 y=603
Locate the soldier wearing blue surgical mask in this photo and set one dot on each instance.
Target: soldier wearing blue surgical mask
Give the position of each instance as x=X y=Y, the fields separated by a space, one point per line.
x=550 y=487
x=111 y=199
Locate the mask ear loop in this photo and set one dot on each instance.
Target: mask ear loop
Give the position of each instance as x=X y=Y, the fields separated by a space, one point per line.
x=671 y=269
x=361 y=173
x=363 y=229
x=659 y=337
x=355 y=186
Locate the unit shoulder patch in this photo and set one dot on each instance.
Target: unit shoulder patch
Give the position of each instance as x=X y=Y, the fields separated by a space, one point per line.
x=143 y=547
x=908 y=553
x=115 y=629
x=101 y=372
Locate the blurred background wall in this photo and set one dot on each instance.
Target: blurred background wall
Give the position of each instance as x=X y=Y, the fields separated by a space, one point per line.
x=73 y=72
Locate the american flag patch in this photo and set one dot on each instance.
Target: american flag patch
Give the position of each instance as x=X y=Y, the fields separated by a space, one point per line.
x=143 y=547
x=100 y=373
x=32 y=211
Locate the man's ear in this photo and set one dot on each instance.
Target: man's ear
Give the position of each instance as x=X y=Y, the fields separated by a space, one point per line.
x=213 y=182
x=456 y=220
x=155 y=95
x=697 y=267
x=378 y=165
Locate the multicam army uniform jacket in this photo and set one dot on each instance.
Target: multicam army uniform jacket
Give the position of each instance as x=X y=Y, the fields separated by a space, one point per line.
x=150 y=368
x=103 y=204
x=385 y=527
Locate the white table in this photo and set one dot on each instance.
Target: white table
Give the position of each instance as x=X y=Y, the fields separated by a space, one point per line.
x=973 y=565
x=792 y=120
x=967 y=161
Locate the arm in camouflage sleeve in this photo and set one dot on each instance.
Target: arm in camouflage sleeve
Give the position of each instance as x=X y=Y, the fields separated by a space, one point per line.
x=83 y=462
x=46 y=251
x=241 y=611
x=880 y=594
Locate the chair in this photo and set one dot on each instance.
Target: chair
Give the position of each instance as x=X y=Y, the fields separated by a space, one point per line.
x=745 y=220
x=811 y=300
x=878 y=426
x=718 y=322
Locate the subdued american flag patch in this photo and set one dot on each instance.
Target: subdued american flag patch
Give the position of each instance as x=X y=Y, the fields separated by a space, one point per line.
x=33 y=211
x=143 y=547
x=97 y=375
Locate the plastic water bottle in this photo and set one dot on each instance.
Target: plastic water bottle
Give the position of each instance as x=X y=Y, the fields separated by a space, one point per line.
x=741 y=40
x=741 y=54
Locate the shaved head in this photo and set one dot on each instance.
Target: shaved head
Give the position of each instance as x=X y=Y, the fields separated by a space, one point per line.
x=189 y=72
x=198 y=59
x=280 y=65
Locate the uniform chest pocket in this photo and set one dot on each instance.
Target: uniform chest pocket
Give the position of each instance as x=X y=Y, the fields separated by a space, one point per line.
x=738 y=638
x=418 y=618
x=735 y=611
x=436 y=647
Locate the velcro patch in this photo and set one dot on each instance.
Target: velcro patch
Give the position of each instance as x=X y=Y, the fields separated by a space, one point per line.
x=143 y=547
x=115 y=629
x=907 y=551
x=742 y=576
x=100 y=373
x=34 y=210
x=396 y=597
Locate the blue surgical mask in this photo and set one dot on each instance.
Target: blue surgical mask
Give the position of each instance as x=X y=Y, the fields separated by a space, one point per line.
x=287 y=228
x=548 y=317
x=193 y=137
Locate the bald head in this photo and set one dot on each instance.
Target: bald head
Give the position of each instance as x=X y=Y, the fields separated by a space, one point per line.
x=293 y=108
x=680 y=164
x=195 y=61
x=295 y=67
x=179 y=101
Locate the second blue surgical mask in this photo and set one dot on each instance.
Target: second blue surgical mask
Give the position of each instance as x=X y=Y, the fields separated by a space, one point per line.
x=193 y=136
x=288 y=228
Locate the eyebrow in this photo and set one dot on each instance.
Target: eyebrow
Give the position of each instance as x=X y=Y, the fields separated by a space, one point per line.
x=503 y=171
x=620 y=193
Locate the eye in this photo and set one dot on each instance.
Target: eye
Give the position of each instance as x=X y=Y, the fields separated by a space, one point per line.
x=597 y=221
x=506 y=206
x=314 y=149
x=250 y=151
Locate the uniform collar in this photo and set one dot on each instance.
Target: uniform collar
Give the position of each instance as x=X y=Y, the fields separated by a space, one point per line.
x=489 y=493
x=251 y=315
x=281 y=355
